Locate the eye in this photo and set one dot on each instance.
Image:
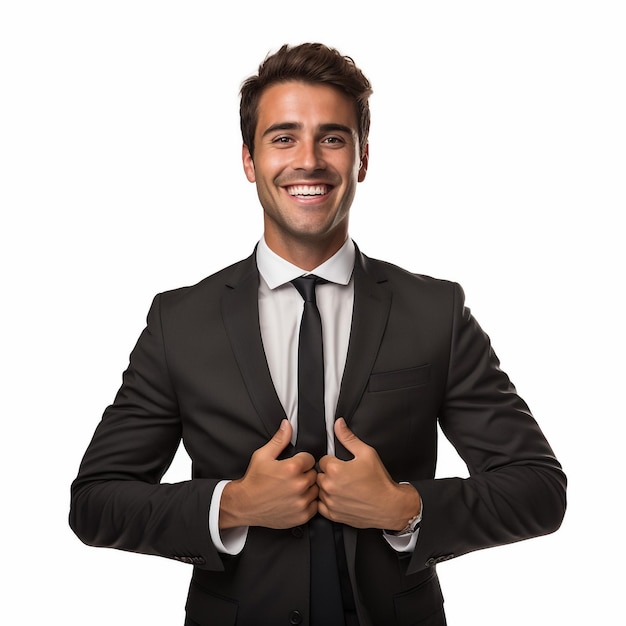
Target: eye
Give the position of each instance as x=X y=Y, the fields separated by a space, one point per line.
x=333 y=140
x=282 y=139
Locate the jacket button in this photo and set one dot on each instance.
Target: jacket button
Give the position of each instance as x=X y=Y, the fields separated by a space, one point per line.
x=297 y=532
x=431 y=562
x=295 y=617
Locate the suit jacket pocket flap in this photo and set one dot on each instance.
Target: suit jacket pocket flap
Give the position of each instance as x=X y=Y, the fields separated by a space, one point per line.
x=399 y=379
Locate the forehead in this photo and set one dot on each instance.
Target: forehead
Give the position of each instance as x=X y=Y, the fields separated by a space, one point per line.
x=305 y=103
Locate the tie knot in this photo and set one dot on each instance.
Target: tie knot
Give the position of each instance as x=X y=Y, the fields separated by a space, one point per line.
x=306 y=286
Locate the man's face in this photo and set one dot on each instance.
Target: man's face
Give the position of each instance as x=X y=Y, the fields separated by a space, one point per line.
x=306 y=164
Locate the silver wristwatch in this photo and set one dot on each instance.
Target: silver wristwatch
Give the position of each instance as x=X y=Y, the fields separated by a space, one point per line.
x=412 y=526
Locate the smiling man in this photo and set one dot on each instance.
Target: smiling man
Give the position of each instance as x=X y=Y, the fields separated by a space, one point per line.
x=307 y=162
x=306 y=383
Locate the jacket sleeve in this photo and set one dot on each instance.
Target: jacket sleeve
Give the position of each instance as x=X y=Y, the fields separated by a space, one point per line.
x=117 y=499
x=516 y=487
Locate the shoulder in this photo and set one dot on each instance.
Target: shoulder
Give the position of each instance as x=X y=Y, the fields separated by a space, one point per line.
x=403 y=281
x=208 y=291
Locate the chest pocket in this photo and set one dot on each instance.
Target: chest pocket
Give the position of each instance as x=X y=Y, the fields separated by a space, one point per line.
x=399 y=379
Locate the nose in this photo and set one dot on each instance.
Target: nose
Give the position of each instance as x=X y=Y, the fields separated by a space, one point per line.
x=308 y=156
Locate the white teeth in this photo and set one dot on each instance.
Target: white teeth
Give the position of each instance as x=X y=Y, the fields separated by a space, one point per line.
x=307 y=190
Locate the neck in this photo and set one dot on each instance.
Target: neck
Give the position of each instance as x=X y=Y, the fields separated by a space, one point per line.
x=306 y=255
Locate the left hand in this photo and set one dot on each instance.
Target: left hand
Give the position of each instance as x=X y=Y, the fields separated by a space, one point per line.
x=360 y=492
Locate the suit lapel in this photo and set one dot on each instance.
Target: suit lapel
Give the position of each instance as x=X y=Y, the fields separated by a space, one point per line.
x=372 y=301
x=369 y=320
x=240 y=313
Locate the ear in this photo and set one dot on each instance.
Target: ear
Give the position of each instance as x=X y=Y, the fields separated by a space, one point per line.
x=363 y=165
x=248 y=163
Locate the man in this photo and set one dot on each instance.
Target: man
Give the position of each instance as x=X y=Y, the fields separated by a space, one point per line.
x=283 y=529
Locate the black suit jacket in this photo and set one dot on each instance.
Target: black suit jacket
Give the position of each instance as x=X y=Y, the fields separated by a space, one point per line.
x=416 y=358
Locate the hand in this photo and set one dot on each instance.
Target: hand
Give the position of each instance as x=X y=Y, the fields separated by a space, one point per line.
x=272 y=493
x=360 y=492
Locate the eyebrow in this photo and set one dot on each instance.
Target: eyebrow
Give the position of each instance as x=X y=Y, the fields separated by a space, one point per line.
x=324 y=128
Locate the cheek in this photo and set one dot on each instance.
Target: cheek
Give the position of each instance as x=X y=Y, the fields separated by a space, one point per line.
x=349 y=193
x=268 y=170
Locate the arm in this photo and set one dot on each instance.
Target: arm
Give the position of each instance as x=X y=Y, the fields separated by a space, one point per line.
x=117 y=499
x=516 y=487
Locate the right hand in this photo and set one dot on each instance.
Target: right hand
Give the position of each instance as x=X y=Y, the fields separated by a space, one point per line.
x=273 y=493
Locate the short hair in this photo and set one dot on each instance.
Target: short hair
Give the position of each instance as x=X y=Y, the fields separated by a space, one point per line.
x=310 y=63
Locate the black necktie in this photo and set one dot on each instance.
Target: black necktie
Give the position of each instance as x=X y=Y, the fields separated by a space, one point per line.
x=326 y=602
x=311 y=414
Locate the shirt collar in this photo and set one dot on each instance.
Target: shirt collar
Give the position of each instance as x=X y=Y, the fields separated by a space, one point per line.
x=277 y=271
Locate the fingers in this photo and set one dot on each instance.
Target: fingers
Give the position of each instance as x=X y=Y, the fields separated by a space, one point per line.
x=347 y=438
x=281 y=437
x=274 y=492
x=344 y=434
x=356 y=492
x=273 y=448
x=279 y=441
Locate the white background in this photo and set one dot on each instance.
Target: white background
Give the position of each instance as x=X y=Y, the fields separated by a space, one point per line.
x=497 y=160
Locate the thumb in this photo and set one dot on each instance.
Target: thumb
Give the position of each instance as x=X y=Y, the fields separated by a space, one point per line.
x=347 y=438
x=279 y=441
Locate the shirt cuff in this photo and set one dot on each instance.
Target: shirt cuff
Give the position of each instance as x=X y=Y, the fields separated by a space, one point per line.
x=405 y=543
x=229 y=540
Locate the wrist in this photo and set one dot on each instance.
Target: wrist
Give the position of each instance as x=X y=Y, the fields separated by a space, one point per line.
x=230 y=513
x=410 y=515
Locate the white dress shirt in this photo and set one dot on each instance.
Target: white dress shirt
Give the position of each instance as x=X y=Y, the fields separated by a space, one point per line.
x=280 y=313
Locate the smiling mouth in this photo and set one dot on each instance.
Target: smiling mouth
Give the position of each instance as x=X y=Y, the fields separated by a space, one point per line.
x=307 y=191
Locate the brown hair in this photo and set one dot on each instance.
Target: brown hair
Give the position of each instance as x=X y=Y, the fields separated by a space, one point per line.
x=310 y=63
